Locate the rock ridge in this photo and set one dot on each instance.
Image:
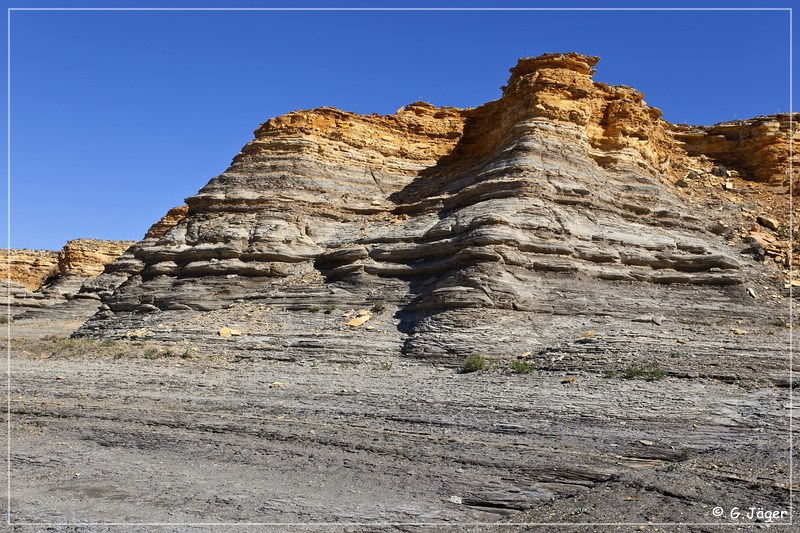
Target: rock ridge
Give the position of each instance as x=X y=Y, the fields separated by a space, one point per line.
x=465 y=227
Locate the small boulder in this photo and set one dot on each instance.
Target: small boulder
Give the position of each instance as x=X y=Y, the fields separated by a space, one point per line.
x=362 y=317
x=229 y=332
x=769 y=223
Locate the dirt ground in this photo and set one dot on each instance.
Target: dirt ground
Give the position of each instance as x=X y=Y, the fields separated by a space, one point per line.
x=128 y=436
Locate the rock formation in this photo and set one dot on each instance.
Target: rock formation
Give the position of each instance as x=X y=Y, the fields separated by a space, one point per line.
x=29 y=268
x=43 y=278
x=173 y=216
x=84 y=258
x=88 y=257
x=126 y=265
x=511 y=228
x=757 y=148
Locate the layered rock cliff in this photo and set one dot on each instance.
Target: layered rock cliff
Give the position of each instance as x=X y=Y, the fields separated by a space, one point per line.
x=758 y=148
x=84 y=258
x=36 y=279
x=88 y=257
x=520 y=226
x=29 y=268
x=127 y=264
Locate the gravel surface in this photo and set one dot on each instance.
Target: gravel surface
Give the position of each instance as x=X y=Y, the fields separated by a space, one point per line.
x=162 y=438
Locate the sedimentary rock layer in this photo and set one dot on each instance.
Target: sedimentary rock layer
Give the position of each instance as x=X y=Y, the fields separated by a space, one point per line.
x=29 y=268
x=453 y=231
x=42 y=279
x=88 y=257
x=757 y=148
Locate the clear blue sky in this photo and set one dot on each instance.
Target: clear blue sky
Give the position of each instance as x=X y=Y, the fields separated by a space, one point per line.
x=116 y=116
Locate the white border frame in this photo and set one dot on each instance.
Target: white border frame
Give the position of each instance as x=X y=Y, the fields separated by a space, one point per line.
x=9 y=523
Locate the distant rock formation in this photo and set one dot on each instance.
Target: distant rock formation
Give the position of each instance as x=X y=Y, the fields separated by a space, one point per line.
x=500 y=230
x=757 y=148
x=29 y=268
x=88 y=257
x=79 y=257
x=43 y=278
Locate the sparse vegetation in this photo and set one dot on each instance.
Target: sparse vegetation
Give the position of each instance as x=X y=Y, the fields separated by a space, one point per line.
x=781 y=322
x=719 y=171
x=152 y=353
x=330 y=309
x=473 y=363
x=55 y=346
x=686 y=454
x=650 y=371
x=755 y=248
x=386 y=365
x=378 y=306
x=315 y=309
x=523 y=366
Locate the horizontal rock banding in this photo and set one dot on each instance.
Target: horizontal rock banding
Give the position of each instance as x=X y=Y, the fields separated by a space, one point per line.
x=446 y=215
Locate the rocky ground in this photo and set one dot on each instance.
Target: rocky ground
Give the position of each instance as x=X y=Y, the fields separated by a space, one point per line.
x=177 y=437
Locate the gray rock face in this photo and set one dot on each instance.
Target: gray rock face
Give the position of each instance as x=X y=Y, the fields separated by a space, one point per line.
x=510 y=228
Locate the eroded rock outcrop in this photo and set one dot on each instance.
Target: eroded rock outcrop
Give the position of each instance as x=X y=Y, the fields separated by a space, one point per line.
x=167 y=222
x=29 y=268
x=42 y=279
x=127 y=264
x=758 y=148
x=88 y=257
x=79 y=258
x=500 y=230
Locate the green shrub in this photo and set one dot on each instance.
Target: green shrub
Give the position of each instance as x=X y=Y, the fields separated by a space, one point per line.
x=473 y=363
x=719 y=171
x=523 y=366
x=151 y=353
x=378 y=306
x=650 y=371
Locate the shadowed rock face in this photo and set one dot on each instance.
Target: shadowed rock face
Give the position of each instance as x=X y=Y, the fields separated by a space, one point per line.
x=498 y=230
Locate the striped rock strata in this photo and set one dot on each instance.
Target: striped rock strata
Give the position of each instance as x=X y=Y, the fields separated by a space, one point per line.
x=41 y=278
x=511 y=228
x=29 y=268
